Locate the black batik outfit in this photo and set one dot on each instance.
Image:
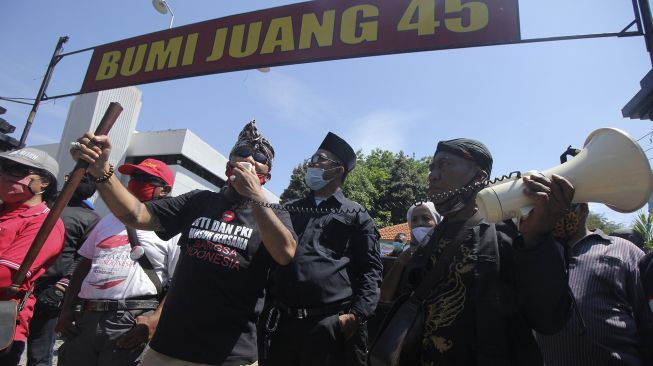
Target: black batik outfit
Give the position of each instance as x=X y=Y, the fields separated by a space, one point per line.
x=218 y=289
x=336 y=269
x=494 y=294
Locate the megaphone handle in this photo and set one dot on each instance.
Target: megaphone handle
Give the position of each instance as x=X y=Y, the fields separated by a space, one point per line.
x=524 y=211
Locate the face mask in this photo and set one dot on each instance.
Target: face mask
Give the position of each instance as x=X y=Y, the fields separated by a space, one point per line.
x=419 y=233
x=12 y=191
x=566 y=226
x=230 y=171
x=314 y=179
x=143 y=191
x=458 y=201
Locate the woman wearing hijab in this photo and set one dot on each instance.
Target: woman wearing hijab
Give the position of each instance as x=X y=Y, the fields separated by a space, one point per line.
x=422 y=218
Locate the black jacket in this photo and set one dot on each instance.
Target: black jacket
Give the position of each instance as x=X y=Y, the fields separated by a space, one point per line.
x=518 y=290
x=337 y=258
x=78 y=221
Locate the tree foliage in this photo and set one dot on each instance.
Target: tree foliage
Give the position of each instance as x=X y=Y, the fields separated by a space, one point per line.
x=599 y=221
x=383 y=182
x=296 y=188
x=643 y=224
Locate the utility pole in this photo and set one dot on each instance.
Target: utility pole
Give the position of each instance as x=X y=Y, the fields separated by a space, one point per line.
x=44 y=85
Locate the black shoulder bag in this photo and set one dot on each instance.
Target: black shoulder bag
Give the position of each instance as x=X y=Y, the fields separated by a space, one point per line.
x=144 y=262
x=399 y=339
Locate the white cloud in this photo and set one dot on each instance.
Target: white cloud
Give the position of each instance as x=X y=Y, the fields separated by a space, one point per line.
x=56 y=112
x=35 y=138
x=386 y=129
x=294 y=102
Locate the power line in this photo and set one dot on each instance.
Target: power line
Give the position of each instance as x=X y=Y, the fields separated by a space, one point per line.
x=644 y=136
x=33 y=99
x=16 y=100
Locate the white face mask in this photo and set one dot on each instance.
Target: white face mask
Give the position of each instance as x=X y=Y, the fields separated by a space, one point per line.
x=314 y=179
x=419 y=233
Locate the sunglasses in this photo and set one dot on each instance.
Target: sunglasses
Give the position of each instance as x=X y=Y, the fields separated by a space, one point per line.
x=319 y=158
x=244 y=152
x=17 y=170
x=147 y=179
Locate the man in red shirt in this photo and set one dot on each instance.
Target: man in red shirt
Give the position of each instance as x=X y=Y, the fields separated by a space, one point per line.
x=27 y=182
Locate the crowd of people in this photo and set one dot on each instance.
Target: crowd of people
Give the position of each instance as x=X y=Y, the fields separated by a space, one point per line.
x=226 y=278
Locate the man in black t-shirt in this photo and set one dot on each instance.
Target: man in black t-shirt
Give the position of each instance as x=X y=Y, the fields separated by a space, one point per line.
x=227 y=249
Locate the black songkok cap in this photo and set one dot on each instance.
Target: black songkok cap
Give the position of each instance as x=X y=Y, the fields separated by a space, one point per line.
x=341 y=149
x=253 y=139
x=469 y=149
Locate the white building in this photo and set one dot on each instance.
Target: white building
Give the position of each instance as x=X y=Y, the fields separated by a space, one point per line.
x=196 y=164
x=86 y=112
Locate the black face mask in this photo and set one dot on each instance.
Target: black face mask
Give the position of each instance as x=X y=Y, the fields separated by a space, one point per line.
x=460 y=198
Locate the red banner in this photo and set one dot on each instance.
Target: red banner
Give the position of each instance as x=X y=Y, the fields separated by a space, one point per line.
x=304 y=32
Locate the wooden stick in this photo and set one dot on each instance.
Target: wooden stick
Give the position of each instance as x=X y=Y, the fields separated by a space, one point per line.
x=60 y=203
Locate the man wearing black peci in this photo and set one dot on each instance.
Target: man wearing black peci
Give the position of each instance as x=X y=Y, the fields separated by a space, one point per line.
x=331 y=287
x=499 y=282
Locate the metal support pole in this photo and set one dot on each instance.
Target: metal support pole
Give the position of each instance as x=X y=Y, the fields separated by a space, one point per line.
x=44 y=85
x=645 y=10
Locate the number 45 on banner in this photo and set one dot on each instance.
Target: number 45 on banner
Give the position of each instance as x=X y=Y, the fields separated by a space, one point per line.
x=420 y=15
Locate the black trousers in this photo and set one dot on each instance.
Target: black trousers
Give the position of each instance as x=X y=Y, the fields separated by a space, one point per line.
x=95 y=345
x=11 y=355
x=316 y=341
x=42 y=336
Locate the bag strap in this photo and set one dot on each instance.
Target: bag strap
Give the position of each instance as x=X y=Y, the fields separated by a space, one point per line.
x=23 y=301
x=439 y=269
x=144 y=261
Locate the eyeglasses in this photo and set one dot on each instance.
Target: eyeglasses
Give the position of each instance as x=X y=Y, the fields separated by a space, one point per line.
x=147 y=179
x=17 y=170
x=318 y=158
x=244 y=152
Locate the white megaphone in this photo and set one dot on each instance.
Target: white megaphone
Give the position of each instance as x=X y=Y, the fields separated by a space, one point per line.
x=611 y=169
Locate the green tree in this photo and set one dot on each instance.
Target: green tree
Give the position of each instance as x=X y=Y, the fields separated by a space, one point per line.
x=599 y=221
x=360 y=188
x=643 y=224
x=296 y=188
x=421 y=167
x=404 y=187
x=383 y=182
x=377 y=169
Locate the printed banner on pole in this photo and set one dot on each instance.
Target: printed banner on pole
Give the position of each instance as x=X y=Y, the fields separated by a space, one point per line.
x=304 y=32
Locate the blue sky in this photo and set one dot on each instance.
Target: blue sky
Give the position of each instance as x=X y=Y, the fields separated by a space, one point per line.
x=527 y=102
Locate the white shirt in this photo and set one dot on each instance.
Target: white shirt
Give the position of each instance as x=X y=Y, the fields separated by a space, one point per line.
x=113 y=274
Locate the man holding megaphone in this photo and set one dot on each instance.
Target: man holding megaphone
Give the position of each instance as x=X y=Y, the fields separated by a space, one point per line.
x=497 y=282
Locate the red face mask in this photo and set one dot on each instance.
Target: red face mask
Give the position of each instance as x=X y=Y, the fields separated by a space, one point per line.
x=230 y=171
x=144 y=191
x=12 y=190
